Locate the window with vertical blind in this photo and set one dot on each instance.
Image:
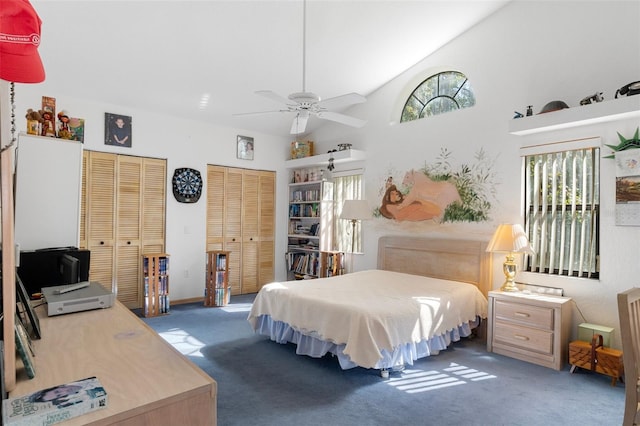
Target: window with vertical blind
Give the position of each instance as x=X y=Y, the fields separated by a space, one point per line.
x=562 y=208
x=347 y=186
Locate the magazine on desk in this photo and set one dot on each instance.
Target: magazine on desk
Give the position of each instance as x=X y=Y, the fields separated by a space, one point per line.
x=55 y=404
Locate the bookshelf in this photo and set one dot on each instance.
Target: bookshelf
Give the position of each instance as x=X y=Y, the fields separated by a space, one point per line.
x=310 y=223
x=331 y=263
x=155 y=273
x=217 y=291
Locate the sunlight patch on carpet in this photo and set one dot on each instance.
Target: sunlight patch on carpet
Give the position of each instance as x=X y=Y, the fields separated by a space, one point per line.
x=414 y=381
x=237 y=307
x=185 y=343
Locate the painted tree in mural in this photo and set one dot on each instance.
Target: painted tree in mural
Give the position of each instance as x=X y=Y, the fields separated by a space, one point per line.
x=438 y=192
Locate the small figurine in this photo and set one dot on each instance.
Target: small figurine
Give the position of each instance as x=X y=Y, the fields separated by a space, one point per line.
x=34 y=119
x=63 y=128
x=597 y=97
x=48 y=127
x=529 y=110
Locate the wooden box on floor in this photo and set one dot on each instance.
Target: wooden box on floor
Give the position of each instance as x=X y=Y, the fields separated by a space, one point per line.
x=595 y=357
x=217 y=290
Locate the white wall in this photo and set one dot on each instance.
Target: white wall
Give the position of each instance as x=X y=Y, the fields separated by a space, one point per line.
x=529 y=53
x=184 y=144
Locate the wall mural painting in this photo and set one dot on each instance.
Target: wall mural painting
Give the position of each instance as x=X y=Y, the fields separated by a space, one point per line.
x=439 y=193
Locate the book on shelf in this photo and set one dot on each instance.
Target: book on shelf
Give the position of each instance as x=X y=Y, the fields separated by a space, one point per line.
x=56 y=404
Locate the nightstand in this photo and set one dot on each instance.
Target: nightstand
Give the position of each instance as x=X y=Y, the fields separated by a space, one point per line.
x=530 y=327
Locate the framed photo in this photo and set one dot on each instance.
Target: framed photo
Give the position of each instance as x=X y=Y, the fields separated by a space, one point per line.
x=245 y=148
x=117 y=130
x=22 y=345
x=27 y=310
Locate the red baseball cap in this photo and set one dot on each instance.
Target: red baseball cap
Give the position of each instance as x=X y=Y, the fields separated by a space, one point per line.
x=19 y=40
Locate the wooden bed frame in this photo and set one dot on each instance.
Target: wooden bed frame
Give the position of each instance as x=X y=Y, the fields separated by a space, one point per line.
x=457 y=260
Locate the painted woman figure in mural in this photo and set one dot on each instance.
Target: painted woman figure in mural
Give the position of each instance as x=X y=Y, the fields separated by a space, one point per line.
x=416 y=211
x=424 y=189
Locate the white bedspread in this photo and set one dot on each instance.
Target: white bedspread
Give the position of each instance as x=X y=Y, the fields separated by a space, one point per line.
x=369 y=311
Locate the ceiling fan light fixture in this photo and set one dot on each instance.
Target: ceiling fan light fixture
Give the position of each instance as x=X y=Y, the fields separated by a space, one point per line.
x=305 y=99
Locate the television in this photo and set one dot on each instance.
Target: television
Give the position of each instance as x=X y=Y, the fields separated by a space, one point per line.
x=42 y=268
x=69 y=269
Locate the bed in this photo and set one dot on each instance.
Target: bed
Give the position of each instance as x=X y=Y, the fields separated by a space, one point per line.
x=424 y=294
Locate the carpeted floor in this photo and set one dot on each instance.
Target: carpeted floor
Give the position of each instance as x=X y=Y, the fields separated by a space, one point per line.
x=264 y=383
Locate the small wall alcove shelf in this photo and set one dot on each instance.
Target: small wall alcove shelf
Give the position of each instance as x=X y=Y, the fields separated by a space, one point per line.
x=601 y=112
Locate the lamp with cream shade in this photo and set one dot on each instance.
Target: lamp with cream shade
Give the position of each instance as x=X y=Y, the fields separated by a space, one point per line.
x=509 y=238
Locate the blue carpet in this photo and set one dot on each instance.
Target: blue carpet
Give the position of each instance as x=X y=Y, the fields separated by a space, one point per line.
x=264 y=383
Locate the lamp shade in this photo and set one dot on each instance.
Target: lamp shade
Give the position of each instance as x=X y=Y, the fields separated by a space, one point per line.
x=509 y=238
x=355 y=210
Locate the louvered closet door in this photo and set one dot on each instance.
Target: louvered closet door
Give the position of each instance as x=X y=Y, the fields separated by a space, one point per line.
x=215 y=207
x=235 y=209
x=233 y=226
x=83 y=202
x=154 y=196
x=123 y=213
x=100 y=208
x=250 y=234
x=266 y=251
x=128 y=230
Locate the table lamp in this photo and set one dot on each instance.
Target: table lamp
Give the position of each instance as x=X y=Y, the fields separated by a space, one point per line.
x=509 y=239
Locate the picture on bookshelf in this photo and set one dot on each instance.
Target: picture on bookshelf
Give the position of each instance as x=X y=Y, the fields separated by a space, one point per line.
x=30 y=316
x=22 y=346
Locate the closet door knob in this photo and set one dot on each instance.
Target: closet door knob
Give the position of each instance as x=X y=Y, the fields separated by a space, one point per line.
x=101 y=243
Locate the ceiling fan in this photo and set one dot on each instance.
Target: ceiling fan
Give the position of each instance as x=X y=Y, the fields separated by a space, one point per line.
x=305 y=104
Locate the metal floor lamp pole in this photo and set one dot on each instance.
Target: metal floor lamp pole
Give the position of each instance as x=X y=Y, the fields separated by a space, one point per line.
x=353 y=243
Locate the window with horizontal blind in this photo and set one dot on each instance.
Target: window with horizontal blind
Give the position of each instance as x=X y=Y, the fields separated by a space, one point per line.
x=562 y=209
x=347 y=186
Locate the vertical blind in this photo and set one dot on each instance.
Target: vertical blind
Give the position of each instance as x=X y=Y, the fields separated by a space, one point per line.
x=562 y=211
x=346 y=187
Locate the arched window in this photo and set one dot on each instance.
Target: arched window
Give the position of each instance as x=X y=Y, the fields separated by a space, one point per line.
x=440 y=93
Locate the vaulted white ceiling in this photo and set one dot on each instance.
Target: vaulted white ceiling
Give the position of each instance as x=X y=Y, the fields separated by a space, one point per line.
x=165 y=56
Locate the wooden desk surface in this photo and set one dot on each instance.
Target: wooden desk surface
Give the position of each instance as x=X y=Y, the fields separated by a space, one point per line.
x=146 y=379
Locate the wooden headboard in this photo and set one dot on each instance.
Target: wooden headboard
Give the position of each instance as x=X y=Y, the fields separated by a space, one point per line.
x=457 y=260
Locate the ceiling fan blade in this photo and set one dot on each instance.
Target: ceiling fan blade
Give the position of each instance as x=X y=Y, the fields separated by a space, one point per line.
x=341 y=118
x=274 y=97
x=299 y=122
x=238 y=114
x=342 y=101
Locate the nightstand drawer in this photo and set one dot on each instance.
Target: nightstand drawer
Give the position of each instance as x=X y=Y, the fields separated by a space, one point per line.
x=534 y=316
x=532 y=339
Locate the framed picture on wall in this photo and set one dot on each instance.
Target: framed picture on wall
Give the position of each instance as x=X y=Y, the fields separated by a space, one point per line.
x=117 y=130
x=245 y=147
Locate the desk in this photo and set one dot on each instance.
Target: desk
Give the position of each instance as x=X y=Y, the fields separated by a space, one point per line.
x=146 y=379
